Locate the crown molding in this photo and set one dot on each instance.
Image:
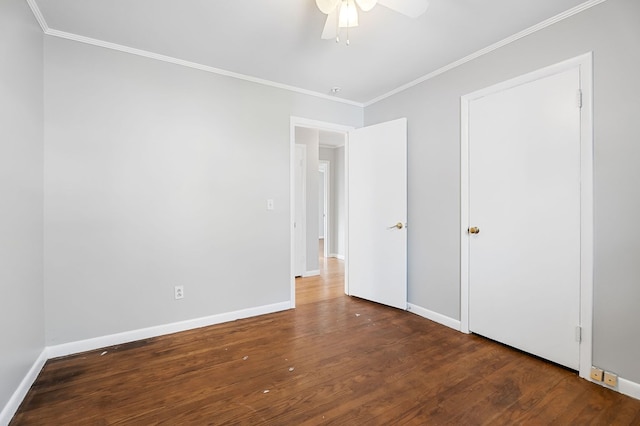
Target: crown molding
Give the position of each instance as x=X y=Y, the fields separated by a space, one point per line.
x=544 y=24
x=151 y=55
x=194 y=65
x=39 y=17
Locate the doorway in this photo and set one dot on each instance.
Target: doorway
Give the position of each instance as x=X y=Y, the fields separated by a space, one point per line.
x=317 y=136
x=374 y=202
x=527 y=213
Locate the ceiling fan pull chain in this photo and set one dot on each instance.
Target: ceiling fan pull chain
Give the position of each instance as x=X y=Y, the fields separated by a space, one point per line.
x=348 y=21
x=338 y=27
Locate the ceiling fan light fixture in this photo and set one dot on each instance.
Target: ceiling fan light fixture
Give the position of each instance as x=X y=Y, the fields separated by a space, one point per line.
x=366 y=5
x=348 y=17
x=327 y=6
x=344 y=13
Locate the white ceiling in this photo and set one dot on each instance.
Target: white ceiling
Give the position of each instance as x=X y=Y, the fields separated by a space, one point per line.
x=279 y=40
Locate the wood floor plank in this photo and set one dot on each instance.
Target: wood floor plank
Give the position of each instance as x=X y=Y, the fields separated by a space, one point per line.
x=332 y=360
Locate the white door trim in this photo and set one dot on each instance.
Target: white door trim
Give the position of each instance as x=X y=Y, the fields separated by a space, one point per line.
x=303 y=214
x=325 y=166
x=585 y=63
x=311 y=124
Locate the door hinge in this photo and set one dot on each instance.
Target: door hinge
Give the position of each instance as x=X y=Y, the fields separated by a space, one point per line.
x=578 y=334
x=579 y=98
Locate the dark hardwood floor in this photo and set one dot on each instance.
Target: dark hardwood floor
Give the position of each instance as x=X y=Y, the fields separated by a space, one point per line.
x=334 y=359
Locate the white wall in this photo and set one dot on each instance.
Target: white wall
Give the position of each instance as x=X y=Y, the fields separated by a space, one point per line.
x=612 y=31
x=21 y=152
x=310 y=138
x=158 y=175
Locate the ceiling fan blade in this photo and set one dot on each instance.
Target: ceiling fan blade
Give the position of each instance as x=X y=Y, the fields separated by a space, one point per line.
x=410 y=8
x=366 y=5
x=331 y=26
x=327 y=6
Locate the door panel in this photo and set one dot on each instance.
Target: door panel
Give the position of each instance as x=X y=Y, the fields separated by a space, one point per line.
x=524 y=196
x=377 y=200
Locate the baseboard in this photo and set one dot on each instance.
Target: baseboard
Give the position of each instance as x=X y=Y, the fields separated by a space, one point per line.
x=71 y=348
x=625 y=387
x=434 y=316
x=337 y=256
x=629 y=388
x=14 y=402
x=311 y=273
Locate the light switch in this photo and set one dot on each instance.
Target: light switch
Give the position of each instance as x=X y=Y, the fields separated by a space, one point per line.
x=269 y=204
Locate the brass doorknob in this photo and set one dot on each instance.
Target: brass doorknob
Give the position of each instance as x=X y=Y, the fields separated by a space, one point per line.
x=398 y=225
x=474 y=230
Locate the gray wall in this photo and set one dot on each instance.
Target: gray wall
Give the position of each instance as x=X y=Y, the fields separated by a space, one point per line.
x=158 y=175
x=21 y=151
x=310 y=138
x=612 y=31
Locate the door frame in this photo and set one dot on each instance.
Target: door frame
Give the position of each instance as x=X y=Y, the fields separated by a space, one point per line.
x=326 y=170
x=585 y=65
x=311 y=124
x=303 y=214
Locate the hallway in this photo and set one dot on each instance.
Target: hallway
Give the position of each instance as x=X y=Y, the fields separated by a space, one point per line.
x=328 y=285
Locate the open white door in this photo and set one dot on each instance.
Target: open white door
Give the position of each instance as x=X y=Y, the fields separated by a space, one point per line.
x=377 y=213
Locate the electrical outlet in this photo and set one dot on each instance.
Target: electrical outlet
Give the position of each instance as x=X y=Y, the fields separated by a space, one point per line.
x=178 y=292
x=610 y=379
x=597 y=374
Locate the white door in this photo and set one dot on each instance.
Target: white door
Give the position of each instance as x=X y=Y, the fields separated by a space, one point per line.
x=524 y=196
x=377 y=213
x=299 y=206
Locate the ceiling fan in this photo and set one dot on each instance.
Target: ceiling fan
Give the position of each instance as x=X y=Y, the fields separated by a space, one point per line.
x=344 y=13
